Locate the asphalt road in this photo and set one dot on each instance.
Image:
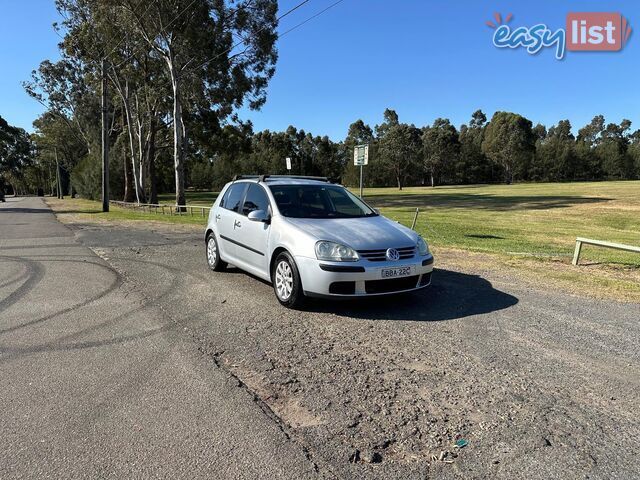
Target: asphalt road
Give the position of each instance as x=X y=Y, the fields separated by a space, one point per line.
x=131 y=358
x=98 y=383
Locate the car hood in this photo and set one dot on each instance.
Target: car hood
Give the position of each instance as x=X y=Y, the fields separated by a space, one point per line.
x=366 y=233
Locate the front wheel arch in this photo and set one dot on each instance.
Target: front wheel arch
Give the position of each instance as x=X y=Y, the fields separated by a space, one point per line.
x=274 y=255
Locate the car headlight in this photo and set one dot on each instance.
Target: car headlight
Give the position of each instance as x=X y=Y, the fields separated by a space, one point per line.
x=335 y=252
x=423 y=248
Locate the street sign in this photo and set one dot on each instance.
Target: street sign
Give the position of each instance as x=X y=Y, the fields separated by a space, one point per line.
x=288 y=163
x=360 y=159
x=361 y=155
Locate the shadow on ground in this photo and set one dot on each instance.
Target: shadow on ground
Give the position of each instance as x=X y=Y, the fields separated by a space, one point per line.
x=25 y=210
x=482 y=201
x=452 y=295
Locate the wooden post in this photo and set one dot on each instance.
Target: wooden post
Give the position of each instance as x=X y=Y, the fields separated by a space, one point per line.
x=415 y=219
x=576 y=253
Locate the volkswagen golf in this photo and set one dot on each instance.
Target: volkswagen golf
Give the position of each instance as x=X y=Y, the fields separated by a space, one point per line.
x=312 y=238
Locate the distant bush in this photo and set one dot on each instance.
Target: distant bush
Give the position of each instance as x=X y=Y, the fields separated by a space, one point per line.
x=86 y=178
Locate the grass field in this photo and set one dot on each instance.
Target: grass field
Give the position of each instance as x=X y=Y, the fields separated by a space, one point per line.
x=193 y=198
x=80 y=210
x=532 y=227
x=535 y=220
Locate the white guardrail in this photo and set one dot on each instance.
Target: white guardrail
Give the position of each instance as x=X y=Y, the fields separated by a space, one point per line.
x=164 y=209
x=600 y=243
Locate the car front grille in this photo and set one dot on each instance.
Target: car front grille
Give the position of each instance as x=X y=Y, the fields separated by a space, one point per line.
x=391 y=285
x=381 y=255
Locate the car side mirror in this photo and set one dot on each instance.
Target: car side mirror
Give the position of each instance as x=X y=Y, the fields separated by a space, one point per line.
x=259 y=216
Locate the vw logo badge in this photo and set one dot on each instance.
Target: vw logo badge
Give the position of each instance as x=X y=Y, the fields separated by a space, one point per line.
x=393 y=254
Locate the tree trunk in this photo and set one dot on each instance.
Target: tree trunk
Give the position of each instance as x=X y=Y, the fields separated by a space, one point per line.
x=153 y=193
x=178 y=138
x=399 y=182
x=132 y=148
x=129 y=195
x=433 y=181
x=508 y=174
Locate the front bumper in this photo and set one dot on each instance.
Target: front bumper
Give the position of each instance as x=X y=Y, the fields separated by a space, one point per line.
x=362 y=278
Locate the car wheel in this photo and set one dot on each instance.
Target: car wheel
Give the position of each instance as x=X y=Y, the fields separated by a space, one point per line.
x=213 y=254
x=286 y=281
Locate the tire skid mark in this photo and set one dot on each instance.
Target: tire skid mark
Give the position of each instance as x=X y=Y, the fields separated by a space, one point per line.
x=21 y=276
x=164 y=266
x=115 y=284
x=10 y=353
x=34 y=273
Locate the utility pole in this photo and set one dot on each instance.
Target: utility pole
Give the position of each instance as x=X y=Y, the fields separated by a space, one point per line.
x=105 y=141
x=58 y=179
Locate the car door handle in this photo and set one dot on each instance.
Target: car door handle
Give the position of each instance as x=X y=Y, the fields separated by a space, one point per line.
x=236 y=224
x=218 y=217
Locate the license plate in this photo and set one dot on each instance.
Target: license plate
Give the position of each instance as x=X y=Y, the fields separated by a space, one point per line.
x=395 y=272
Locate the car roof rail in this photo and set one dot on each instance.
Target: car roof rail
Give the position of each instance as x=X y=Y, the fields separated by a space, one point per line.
x=244 y=177
x=263 y=178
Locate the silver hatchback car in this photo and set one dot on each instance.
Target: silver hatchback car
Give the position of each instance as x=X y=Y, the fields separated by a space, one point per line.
x=310 y=237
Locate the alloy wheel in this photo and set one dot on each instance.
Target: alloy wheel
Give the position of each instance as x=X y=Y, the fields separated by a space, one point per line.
x=212 y=251
x=284 y=280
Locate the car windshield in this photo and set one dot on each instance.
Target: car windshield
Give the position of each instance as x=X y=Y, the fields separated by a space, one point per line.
x=319 y=201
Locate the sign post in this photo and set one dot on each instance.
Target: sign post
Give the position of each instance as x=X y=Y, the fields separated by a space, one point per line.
x=288 y=163
x=361 y=158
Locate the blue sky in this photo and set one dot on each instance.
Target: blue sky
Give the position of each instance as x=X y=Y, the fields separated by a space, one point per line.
x=424 y=58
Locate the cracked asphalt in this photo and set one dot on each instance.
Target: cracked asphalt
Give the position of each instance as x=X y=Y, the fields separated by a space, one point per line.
x=122 y=355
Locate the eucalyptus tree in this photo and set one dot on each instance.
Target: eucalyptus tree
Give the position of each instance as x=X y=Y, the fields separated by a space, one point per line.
x=399 y=151
x=98 y=31
x=15 y=155
x=613 y=150
x=509 y=142
x=195 y=40
x=58 y=145
x=441 y=147
x=473 y=165
x=67 y=89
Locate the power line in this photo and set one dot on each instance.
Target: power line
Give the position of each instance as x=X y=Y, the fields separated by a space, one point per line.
x=174 y=19
x=161 y=30
x=288 y=12
x=310 y=18
x=205 y=63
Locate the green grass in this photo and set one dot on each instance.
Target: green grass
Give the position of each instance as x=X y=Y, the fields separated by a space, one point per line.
x=532 y=220
x=88 y=210
x=193 y=198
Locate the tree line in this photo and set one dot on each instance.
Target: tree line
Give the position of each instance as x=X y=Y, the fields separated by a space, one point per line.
x=178 y=72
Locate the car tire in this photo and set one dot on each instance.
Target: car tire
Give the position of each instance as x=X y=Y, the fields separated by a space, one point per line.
x=286 y=281
x=213 y=254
